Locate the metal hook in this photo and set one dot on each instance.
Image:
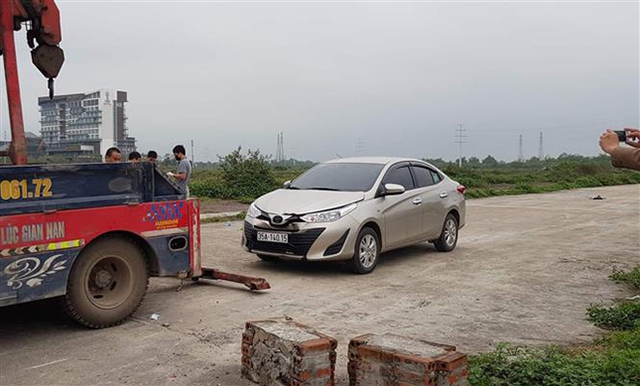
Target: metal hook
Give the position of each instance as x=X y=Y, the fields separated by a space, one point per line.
x=50 y=85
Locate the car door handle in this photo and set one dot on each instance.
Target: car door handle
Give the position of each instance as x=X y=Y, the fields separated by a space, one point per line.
x=417 y=201
x=444 y=195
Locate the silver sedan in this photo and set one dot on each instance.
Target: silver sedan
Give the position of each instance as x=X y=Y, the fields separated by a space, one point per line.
x=354 y=209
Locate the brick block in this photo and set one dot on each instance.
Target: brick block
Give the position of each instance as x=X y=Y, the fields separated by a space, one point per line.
x=392 y=360
x=281 y=352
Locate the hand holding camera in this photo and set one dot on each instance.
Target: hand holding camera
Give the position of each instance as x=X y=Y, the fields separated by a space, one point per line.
x=630 y=136
x=627 y=157
x=610 y=140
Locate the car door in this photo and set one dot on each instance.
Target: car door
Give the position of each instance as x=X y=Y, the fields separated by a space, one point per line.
x=430 y=189
x=401 y=214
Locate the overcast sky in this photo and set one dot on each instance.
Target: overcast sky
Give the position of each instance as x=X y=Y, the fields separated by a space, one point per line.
x=353 y=78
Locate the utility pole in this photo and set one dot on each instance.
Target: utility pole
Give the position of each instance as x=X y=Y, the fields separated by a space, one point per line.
x=540 y=149
x=460 y=136
x=520 y=153
x=280 y=148
x=359 y=146
x=294 y=154
x=193 y=156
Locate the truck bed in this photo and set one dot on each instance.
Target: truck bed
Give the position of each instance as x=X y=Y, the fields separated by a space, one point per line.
x=44 y=188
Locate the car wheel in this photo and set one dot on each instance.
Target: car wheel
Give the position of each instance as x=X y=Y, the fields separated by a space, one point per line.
x=367 y=252
x=267 y=257
x=449 y=235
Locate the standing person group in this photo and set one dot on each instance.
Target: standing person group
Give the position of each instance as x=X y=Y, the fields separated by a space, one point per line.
x=182 y=175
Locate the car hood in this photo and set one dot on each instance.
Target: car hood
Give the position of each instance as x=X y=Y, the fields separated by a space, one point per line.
x=289 y=201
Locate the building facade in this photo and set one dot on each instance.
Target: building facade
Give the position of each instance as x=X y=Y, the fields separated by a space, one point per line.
x=86 y=122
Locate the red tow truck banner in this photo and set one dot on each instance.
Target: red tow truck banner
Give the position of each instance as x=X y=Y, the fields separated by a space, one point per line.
x=35 y=232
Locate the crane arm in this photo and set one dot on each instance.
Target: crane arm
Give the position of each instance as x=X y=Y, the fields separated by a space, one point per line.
x=43 y=19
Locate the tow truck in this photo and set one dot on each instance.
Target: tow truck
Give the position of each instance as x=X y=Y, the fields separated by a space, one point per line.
x=88 y=234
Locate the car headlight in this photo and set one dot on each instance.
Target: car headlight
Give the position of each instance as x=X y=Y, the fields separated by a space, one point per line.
x=253 y=211
x=330 y=215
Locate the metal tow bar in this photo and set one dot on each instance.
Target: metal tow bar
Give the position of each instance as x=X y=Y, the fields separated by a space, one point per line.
x=253 y=283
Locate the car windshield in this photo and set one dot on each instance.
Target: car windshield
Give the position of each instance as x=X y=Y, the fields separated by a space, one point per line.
x=345 y=177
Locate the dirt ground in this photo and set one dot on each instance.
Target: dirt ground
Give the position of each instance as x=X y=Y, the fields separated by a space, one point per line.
x=525 y=269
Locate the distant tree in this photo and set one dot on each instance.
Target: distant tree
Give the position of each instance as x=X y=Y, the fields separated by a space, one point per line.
x=489 y=161
x=247 y=175
x=437 y=162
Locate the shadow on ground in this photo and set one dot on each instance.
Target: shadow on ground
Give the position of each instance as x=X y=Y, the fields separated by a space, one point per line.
x=326 y=268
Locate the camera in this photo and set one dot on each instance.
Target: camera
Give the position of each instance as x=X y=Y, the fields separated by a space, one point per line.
x=622 y=135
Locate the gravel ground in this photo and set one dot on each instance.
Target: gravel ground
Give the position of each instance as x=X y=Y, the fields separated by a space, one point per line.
x=525 y=269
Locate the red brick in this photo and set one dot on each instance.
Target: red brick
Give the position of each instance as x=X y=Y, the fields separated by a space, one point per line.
x=391 y=360
x=283 y=352
x=320 y=344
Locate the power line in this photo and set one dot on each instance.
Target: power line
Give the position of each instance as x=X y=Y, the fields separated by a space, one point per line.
x=460 y=136
x=490 y=128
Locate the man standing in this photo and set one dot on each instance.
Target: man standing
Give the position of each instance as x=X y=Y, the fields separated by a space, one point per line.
x=184 y=168
x=152 y=156
x=622 y=157
x=135 y=157
x=113 y=155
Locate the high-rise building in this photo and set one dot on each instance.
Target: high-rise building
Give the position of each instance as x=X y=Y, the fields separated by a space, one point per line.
x=96 y=120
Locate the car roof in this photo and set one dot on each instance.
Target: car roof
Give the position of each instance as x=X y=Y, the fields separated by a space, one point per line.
x=373 y=160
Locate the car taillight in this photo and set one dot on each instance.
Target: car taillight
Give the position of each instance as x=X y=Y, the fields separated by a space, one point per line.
x=461 y=189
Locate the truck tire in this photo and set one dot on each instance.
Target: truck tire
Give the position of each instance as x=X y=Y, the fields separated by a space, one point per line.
x=107 y=283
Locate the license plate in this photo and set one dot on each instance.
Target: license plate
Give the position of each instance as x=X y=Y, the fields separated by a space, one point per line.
x=273 y=237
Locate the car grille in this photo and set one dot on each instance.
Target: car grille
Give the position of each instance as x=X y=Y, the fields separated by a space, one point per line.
x=299 y=243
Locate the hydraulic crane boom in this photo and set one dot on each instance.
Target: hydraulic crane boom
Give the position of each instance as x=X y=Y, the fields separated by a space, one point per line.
x=43 y=27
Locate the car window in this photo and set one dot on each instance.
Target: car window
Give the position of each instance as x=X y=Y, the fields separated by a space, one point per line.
x=423 y=176
x=346 y=177
x=400 y=176
x=436 y=177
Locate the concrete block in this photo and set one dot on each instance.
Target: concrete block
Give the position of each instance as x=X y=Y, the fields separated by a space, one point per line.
x=281 y=352
x=392 y=360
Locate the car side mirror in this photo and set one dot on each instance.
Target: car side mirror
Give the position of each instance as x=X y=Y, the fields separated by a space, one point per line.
x=393 y=189
x=286 y=184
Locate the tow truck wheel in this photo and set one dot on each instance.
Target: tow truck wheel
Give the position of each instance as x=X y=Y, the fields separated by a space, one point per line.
x=107 y=283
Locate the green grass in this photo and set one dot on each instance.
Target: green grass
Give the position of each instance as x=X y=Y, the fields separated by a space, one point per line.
x=499 y=182
x=613 y=360
x=631 y=279
x=239 y=217
x=481 y=181
x=622 y=316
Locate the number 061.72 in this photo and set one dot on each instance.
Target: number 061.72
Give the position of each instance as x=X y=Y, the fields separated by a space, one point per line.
x=20 y=189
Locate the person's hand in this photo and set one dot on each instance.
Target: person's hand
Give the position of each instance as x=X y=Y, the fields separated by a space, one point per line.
x=170 y=174
x=609 y=141
x=633 y=137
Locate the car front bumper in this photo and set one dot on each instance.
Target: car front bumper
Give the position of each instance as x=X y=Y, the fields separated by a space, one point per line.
x=306 y=241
